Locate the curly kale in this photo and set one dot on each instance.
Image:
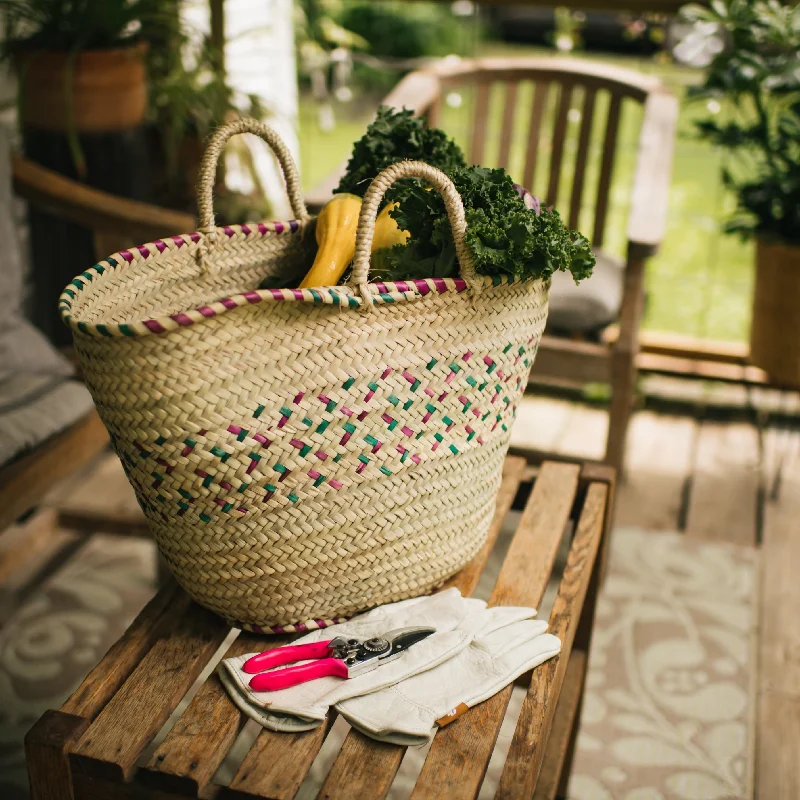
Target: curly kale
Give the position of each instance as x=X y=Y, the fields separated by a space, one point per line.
x=392 y=137
x=503 y=234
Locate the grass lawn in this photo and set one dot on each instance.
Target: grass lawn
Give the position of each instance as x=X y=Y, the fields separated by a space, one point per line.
x=698 y=285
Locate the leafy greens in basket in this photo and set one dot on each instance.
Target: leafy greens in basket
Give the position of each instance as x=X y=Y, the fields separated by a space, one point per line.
x=508 y=232
x=505 y=236
x=394 y=136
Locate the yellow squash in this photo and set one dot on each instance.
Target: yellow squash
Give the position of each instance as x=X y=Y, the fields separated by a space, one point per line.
x=387 y=233
x=336 y=237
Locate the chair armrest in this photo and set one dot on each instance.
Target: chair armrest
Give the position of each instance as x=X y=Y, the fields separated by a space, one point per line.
x=648 y=216
x=418 y=91
x=97 y=210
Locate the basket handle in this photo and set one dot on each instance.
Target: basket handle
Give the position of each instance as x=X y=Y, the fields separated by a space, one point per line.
x=369 y=212
x=208 y=168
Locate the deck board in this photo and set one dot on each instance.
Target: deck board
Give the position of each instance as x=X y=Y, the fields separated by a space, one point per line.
x=725 y=485
x=778 y=724
x=659 y=462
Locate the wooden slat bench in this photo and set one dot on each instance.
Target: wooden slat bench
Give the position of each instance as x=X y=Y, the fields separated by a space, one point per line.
x=96 y=746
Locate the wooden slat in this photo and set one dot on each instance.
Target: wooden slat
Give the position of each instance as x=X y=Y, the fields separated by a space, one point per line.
x=467 y=579
x=647 y=220
x=724 y=489
x=606 y=169
x=527 y=750
x=77 y=202
x=659 y=460
x=679 y=346
x=365 y=768
x=507 y=131
x=24 y=482
x=276 y=764
x=777 y=765
x=540 y=90
x=780 y=588
x=122 y=730
x=579 y=178
x=22 y=543
x=540 y=529
x=481 y=118
x=599 y=75
x=118 y=663
x=563 y=723
x=559 y=135
x=185 y=762
x=703 y=369
x=626 y=6
x=461 y=751
x=778 y=723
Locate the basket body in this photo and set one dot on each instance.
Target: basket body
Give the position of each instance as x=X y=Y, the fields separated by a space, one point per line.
x=300 y=457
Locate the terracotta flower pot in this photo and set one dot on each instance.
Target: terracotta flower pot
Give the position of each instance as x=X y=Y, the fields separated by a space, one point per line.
x=775 y=329
x=109 y=89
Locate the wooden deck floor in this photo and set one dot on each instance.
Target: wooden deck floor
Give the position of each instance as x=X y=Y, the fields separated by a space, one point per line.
x=727 y=471
x=701 y=461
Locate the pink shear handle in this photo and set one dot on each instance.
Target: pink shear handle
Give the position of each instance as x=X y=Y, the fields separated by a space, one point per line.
x=286 y=655
x=291 y=676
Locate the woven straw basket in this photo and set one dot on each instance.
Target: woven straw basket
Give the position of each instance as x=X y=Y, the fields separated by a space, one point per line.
x=302 y=455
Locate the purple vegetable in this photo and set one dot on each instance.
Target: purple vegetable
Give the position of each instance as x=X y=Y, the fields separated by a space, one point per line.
x=531 y=201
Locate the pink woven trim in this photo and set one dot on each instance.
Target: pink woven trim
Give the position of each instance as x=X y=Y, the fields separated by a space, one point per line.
x=397 y=291
x=295 y=627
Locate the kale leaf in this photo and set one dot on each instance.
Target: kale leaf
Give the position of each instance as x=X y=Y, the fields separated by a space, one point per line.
x=503 y=234
x=394 y=136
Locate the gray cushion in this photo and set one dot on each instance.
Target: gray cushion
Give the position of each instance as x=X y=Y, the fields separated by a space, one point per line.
x=38 y=397
x=590 y=305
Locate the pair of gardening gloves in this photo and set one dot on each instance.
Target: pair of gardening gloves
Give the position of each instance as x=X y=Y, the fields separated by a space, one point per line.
x=475 y=652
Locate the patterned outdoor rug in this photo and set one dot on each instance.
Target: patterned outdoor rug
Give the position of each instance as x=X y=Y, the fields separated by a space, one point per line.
x=60 y=633
x=668 y=713
x=669 y=710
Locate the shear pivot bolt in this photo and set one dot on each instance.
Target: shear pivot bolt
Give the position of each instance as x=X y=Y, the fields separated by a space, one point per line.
x=376 y=645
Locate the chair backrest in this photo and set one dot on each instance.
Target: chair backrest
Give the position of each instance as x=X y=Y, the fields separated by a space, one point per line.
x=116 y=222
x=555 y=124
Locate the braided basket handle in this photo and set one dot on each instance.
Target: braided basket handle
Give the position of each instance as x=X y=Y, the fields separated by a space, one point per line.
x=369 y=213
x=208 y=168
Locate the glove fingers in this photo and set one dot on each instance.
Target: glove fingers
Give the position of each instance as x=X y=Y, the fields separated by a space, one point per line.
x=498 y=617
x=517 y=660
x=500 y=641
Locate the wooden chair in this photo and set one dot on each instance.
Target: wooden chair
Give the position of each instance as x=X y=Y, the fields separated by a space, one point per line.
x=572 y=166
x=116 y=223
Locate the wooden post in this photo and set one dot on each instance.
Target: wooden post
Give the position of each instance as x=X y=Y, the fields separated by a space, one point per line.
x=623 y=361
x=45 y=753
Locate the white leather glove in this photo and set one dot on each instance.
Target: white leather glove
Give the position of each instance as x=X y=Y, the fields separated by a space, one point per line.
x=305 y=706
x=409 y=712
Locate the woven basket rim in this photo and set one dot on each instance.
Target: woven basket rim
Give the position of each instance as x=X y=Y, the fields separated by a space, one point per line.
x=388 y=292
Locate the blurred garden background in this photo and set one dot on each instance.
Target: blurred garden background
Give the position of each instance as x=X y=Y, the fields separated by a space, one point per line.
x=700 y=283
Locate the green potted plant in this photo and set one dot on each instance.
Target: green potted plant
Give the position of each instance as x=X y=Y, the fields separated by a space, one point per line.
x=189 y=97
x=755 y=70
x=81 y=65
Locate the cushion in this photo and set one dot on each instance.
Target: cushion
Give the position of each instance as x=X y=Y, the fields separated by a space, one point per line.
x=39 y=396
x=590 y=305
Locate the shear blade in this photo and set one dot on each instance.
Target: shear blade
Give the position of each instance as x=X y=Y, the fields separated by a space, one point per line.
x=403 y=638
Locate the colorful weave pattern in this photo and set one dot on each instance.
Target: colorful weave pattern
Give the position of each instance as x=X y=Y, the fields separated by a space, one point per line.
x=299 y=456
